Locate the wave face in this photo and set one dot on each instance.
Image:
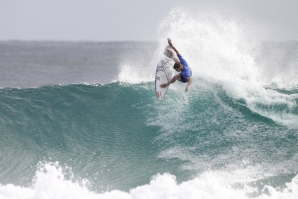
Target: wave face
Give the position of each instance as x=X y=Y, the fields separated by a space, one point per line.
x=81 y=120
x=116 y=136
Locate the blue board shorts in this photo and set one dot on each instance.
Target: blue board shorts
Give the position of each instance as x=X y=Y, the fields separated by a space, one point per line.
x=183 y=80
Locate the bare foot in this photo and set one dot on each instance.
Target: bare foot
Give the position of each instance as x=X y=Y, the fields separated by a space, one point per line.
x=163 y=85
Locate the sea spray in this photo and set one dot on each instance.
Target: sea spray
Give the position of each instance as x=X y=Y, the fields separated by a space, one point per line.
x=50 y=182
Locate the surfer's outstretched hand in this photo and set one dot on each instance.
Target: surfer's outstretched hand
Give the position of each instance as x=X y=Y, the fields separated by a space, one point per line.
x=186 y=89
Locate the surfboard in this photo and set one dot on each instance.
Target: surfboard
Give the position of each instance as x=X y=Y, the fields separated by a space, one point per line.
x=163 y=75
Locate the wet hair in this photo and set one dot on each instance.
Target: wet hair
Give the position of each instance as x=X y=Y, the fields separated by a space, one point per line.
x=177 y=65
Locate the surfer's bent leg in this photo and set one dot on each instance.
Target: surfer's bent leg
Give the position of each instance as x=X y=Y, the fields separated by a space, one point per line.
x=176 y=77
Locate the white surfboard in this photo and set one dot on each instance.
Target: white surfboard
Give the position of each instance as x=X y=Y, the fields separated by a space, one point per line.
x=162 y=76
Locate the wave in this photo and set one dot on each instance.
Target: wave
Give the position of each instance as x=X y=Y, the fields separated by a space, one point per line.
x=121 y=131
x=50 y=181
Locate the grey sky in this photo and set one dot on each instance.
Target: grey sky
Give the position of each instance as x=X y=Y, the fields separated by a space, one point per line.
x=118 y=20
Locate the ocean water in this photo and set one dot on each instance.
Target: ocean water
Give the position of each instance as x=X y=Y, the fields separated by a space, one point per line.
x=81 y=119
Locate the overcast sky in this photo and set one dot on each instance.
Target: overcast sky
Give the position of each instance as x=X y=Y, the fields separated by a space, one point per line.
x=118 y=20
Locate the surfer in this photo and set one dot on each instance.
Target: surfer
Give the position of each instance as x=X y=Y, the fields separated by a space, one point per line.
x=180 y=66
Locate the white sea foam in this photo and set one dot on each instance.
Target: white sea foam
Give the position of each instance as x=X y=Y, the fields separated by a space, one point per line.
x=50 y=183
x=132 y=73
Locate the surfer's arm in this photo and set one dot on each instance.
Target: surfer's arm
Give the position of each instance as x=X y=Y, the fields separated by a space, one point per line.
x=170 y=43
x=176 y=51
x=175 y=58
x=188 y=83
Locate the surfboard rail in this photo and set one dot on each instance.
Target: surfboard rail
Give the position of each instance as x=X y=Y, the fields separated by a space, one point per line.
x=163 y=75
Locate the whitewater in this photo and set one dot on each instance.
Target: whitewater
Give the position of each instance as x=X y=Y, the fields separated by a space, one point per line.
x=81 y=119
